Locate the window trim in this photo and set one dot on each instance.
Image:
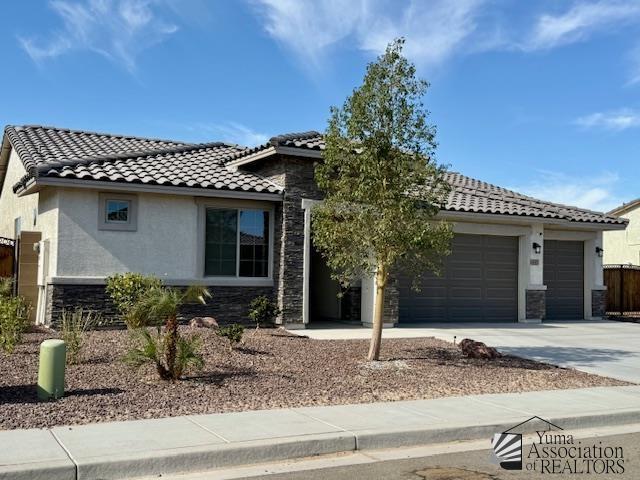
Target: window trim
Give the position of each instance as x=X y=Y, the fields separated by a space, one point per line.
x=223 y=204
x=131 y=225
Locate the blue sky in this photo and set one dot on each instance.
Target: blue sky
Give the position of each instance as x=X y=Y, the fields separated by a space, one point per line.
x=539 y=96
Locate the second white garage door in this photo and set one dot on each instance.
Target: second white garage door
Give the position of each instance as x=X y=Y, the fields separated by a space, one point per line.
x=479 y=284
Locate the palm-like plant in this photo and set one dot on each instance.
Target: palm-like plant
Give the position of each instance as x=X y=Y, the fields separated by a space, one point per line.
x=157 y=306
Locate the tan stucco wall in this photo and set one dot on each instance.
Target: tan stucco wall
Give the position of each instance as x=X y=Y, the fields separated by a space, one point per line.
x=623 y=246
x=12 y=206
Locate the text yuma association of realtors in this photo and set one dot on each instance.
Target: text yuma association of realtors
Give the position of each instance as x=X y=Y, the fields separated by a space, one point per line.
x=556 y=453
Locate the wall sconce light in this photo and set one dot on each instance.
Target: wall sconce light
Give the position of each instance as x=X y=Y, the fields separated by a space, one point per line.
x=599 y=251
x=537 y=247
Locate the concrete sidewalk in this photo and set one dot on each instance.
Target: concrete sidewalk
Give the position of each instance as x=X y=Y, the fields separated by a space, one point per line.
x=202 y=442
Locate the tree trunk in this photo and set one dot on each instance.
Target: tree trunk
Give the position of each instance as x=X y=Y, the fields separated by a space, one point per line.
x=378 y=315
x=172 y=345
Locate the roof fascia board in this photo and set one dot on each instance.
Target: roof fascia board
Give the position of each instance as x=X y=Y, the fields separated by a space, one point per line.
x=234 y=164
x=5 y=156
x=292 y=151
x=34 y=185
x=625 y=208
x=299 y=152
x=526 y=220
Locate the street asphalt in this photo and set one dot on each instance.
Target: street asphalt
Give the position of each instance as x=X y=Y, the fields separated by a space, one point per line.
x=473 y=465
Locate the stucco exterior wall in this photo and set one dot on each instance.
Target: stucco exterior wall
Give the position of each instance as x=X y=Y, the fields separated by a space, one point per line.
x=623 y=246
x=164 y=243
x=12 y=206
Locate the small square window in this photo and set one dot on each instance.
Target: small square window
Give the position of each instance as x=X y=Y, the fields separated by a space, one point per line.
x=117 y=211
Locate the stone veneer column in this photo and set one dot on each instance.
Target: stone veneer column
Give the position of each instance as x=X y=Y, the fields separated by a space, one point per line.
x=598 y=303
x=535 y=305
x=595 y=292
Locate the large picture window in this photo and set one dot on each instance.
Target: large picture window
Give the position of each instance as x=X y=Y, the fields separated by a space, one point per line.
x=236 y=242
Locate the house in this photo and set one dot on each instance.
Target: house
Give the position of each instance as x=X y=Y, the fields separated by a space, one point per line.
x=85 y=205
x=623 y=246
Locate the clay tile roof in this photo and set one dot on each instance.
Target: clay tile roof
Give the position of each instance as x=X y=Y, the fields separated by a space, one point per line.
x=471 y=195
x=467 y=194
x=76 y=154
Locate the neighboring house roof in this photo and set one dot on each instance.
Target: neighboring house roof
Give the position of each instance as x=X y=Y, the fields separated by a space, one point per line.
x=72 y=154
x=625 y=207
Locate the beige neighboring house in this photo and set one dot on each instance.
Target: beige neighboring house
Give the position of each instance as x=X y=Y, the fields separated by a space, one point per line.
x=623 y=246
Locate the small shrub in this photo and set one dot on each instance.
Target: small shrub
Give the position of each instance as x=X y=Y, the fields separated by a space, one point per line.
x=14 y=321
x=170 y=352
x=6 y=287
x=263 y=311
x=126 y=290
x=232 y=332
x=150 y=349
x=74 y=326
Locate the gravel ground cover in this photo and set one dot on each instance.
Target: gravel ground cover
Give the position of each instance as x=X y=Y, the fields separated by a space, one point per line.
x=272 y=369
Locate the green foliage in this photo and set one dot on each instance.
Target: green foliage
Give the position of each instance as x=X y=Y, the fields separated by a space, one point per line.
x=263 y=311
x=74 y=327
x=6 y=287
x=383 y=186
x=188 y=356
x=170 y=352
x=232 y=332
x=125 y=291
x=149 y=348
x=14 y=321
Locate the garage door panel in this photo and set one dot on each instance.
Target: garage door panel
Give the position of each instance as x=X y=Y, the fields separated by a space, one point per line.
x=564 y=278
x=479 y=284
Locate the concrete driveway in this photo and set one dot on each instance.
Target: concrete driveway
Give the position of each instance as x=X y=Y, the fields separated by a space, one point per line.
x=605 y=348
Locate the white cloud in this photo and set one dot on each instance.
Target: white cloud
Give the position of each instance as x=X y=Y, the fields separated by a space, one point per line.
x=309 y=27
x=594 y=193
x=119 y=30
x=580 y=22
x=615 y=120
x=433 y=30
x=231 y=132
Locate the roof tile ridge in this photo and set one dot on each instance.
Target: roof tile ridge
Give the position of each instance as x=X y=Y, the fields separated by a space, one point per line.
x=101 y=134
x=277 y=139
x=130 y=155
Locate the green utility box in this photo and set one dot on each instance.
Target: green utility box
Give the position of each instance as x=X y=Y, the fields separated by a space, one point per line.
x=53 y=356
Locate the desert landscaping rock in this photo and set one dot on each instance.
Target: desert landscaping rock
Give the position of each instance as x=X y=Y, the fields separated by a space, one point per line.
x=472 y=349
x=271 y=369
x=203 y=322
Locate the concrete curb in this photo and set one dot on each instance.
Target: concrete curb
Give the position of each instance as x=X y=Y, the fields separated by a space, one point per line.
x=213 y=456
x=372 y=440
x=65 y=463
x=202 y=458
x=56 y=470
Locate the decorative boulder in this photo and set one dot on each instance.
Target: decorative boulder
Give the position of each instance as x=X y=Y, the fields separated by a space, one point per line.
x=472 y=349
x=203 y=322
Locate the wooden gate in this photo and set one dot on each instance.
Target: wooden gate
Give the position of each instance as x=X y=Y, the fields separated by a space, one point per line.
x=623 y=290
x=7 y=257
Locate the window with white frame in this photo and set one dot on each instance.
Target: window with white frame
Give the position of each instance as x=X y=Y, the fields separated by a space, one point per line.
x=236 y=242
x=117 y=212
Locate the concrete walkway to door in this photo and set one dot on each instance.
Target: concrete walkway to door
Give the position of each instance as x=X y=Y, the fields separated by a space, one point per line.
x=607 y=348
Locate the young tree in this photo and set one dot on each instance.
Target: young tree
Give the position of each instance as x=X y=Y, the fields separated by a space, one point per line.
x=383 y=187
